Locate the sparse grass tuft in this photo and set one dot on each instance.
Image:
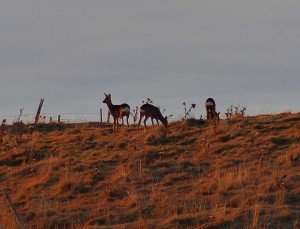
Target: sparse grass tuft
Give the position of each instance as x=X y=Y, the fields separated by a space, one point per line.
x=225 y=138
x=281 y=141
x=195 y=122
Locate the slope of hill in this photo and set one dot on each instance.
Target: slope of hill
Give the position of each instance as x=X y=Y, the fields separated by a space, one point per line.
x=243 y=174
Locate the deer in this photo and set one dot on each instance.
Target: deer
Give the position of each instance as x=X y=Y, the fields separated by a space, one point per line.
x=211 y=114
x=150 y=111
x=117 y=111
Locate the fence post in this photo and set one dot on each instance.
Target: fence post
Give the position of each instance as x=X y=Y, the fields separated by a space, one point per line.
x=100 y=115
x=58 y=119
x=22 y=224
x=108 y=116
x=38 y=111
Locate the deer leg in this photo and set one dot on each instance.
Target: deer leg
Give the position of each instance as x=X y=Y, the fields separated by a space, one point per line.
x=145 y=121
x=210 y=118
x=215 y=120
x=127 y=118
x=157 y=122
x=141 y=116
x=114 y=124
x=122 y=121
x=117 y=123
x=152 y=122
x=207 y=118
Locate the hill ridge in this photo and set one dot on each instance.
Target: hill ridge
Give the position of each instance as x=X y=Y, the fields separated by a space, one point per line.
x=244 y=173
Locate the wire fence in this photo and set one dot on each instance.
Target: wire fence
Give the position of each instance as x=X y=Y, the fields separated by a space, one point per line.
x=71 y=117
x=65 y=117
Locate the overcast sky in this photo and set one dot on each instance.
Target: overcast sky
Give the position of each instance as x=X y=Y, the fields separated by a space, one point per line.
x=70 y=52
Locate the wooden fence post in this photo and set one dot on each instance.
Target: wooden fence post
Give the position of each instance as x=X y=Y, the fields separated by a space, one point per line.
x=22 y=224
x=100 y=115
x=38 y=111
x=58 y=119
x=108 y=116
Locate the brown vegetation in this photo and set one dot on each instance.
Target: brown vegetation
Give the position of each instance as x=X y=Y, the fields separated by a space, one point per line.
x=245 y=173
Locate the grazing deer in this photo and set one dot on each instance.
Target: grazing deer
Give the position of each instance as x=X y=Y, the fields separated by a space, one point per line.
x=153 y=112
x=211 y=114
x=117 y=111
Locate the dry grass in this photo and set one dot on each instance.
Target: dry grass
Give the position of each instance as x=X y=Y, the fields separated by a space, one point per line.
x=243 y=174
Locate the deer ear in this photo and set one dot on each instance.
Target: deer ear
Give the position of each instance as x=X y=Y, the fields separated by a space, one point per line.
x=109 y=95
x=105 y=95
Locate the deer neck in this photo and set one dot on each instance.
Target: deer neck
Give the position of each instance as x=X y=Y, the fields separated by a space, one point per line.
x=161 y=118
x=110 y=106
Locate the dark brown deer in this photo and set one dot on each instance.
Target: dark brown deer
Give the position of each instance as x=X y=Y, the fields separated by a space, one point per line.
x=117 y=111
x=211 y=114
x=150 y=111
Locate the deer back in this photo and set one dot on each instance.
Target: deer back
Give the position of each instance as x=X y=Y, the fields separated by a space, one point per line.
x=116 y=110
x=153 y=112
x=210 y=104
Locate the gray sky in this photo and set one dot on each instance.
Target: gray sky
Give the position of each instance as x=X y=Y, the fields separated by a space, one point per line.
x=71 y=52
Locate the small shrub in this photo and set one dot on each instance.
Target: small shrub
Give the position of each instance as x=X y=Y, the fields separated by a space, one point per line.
x=187 y=113
x=160 y=140
x=195 y=122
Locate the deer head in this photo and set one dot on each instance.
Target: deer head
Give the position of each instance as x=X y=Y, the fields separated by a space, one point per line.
x=165 y=121
x=107 y=99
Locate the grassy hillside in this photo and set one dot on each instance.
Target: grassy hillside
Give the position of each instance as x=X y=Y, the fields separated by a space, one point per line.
x=243 y=174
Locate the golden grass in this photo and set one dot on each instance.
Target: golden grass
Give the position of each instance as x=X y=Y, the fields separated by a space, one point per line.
x=245 y=173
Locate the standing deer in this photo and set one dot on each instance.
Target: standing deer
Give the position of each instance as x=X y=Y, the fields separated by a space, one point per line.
x=117 y=111
x=153 y=112
x=211 y=114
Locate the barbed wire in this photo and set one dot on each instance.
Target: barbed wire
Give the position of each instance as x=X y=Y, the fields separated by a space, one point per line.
x=30 y=117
